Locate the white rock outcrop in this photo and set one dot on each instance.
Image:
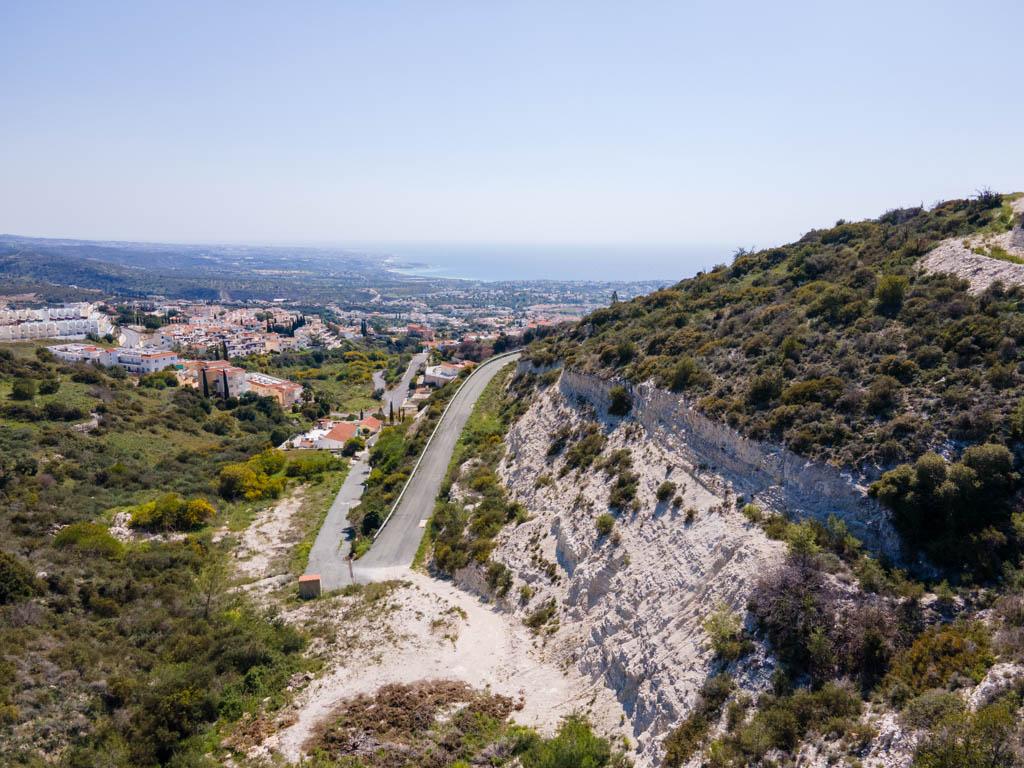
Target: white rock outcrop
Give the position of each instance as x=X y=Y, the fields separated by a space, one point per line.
x=770 y=475
x=957 y=256
x=631 y=605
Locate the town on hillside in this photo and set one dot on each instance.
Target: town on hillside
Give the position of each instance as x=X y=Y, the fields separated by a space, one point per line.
x=211 y=347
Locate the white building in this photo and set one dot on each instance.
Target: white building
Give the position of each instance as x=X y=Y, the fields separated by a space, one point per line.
x=133 y=360
x=142 y=361
x=70 y=321
x=287 y=393
x=439 y=375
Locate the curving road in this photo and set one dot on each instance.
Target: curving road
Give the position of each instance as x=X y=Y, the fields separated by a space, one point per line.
x=398 y=395
x=396 y=543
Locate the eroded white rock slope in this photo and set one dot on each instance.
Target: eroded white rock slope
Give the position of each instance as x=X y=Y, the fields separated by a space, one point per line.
x=632 y=604
x=959 y=256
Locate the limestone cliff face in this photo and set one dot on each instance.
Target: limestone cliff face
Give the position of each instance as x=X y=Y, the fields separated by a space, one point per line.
x=770 y=475
x=631 y=605
x=1017 y=238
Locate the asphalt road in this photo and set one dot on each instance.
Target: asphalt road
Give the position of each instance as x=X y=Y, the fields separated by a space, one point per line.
x=329 y=554
x=397 y=542
x=400 y=391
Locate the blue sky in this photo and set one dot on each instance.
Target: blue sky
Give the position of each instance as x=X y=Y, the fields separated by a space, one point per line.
x=685 y=122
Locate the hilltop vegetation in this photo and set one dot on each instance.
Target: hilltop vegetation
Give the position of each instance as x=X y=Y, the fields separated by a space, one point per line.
x=834 y=345
x=840 y=348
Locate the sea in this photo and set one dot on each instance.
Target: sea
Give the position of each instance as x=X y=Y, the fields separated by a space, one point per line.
x=599 y=263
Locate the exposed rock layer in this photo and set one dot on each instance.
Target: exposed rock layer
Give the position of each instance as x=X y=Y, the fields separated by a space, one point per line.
x=631 y=605
x=768 y=474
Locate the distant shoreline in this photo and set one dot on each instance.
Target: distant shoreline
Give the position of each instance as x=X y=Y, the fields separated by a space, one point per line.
x=538 y=263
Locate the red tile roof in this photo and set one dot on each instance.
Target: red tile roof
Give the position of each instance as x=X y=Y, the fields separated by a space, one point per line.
x=342 y=432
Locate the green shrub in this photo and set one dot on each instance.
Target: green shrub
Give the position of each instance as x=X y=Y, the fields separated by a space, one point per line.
x=939 y=654
x=57 y=411
x=159 y=380
x=623 y=493
x=931 y=708
x=584 y=452
x=559 y=439
x=270 y=461
x=822 y=390
x=23 y=389
x=353 y=446
x=890 y=291
x=665 y=491
x=313 y=464
x=574 y=746
x=245 y=481
x=752 y=512
x=988 y=738
x=783 y=722
x=17 y=582
x=939 y=505
x=170 y=512
x=685 y=739
x=499 y=577
x=89 y=538
x=882 y=395
x=763 y=389
x=619 y=401
x=684 y=374
x=604 y=524
x=542 y=615
x=728 y=638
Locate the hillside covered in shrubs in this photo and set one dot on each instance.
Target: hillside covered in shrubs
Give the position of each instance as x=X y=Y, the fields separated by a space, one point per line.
x=128 y=651
x=841 y=348
x=835 y=345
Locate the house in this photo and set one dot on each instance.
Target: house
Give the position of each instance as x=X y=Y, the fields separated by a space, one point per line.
x=75 y=321
x=287 y=393
x=137 y=361
x=420 y=331
x=416 y=397
x=336 y=437
x=142 y=362
x=219 y=377
x=371 y=425
x=81 y=353
x=439 y=375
